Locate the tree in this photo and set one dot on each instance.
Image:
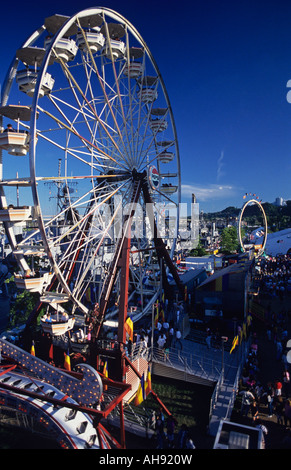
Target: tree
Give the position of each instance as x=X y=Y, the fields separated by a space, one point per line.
x=198 y=251
x=228 y=240
x=24 y=304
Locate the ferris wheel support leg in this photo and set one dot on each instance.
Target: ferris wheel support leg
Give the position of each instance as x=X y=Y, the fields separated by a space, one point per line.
x=124 y=282
x=122 y=427
x=116 y=263
x=162 y=252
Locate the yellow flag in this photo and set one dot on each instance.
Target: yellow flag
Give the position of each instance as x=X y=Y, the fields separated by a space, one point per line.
x=140 y=394
x=148 y=385
x=32 y=350
x=105 y=373
x=234 y=344
x=67 y=363
x=129 y=327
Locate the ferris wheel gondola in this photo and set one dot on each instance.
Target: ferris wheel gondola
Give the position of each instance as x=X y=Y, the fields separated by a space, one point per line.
x=93 y=97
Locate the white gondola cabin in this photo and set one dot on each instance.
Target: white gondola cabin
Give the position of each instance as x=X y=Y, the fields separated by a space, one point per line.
x=169 y=188
x=56 y=327
x=32 y=283
x=15 y=214
x=158 y=125
x=59 y=322
x=148 y=91
x=114 y=48
x=64 y=50
x=16 y=143
x=27 y=78
x=133 y=69
x=166 y=157
x=93 y=41
x=29 y=250
x=54 y=298
x=147 y=95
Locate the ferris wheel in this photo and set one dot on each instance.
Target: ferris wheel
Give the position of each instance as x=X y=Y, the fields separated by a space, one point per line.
x=92 y=116
x=260 y=247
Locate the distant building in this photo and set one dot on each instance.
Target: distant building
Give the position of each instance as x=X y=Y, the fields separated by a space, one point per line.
x=279 y=202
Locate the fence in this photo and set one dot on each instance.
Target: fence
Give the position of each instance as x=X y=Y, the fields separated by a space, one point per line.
x=190 y=363
x=233 y=383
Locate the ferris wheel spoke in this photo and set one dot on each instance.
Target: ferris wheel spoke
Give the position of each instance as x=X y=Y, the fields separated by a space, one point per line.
x=87 y=259
x=100 y=80
x=152 y=142
x=72 y=127
x=87 y=266
x=97 y=165
x=116 y=78
x=68 y=120
x=72 y=80
x=83 y=139
x=89 y=213
x=89 y=236
x=143 y=138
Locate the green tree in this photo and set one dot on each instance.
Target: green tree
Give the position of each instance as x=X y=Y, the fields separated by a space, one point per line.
x=228 y=240
x=198 y=251
x=24 y=304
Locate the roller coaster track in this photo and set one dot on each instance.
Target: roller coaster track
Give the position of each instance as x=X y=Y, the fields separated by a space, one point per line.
x=57 y=400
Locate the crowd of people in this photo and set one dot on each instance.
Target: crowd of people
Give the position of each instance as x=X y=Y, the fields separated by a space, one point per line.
x=274 y=274
x=270 y=400
x=166 y=435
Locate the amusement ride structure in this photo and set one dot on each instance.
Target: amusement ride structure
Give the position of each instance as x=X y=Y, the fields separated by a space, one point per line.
x=85 y=96
x=252 y=200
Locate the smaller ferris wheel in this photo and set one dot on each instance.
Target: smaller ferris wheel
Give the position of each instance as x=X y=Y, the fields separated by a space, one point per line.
x=256 y=241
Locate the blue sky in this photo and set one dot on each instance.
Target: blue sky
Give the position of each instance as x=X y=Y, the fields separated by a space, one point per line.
x=225 y=65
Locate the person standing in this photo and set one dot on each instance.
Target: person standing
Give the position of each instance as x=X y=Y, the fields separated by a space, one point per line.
x=279 y=410
x=278 y=388
x=254 y=411
x=171 y=335
x=208 y=338
x=265 y=431
x=270 y=399
x=286 y=382
x=178 y=338
x=247 y=399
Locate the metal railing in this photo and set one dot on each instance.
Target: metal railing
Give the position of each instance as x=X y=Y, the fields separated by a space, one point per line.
x=243 y=354
x=188 y=362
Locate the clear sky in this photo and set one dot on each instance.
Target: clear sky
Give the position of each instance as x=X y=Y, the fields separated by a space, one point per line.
x=225 y=65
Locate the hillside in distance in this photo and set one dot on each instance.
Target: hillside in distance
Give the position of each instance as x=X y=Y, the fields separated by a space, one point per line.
x=278 y=217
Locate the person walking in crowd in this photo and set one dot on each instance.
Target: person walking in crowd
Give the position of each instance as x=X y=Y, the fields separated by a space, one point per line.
x=279 y=410
x=247 y=399
x=254 y=410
